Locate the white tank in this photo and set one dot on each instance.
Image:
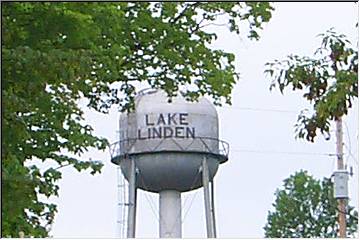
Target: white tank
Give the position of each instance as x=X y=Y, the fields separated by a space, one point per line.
x=168 y=141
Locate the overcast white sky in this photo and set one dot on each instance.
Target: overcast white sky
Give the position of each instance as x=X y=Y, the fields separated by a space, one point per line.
x=245 y=185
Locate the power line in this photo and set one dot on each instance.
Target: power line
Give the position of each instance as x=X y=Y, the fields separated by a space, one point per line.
x=282 y=152
x=260 y=109
x=349 y=142
x=351 y=155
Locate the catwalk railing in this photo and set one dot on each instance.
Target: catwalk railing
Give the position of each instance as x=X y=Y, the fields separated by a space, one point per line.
x=196 y=144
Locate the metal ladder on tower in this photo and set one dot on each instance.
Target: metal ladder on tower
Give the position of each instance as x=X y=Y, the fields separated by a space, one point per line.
x=122 y=204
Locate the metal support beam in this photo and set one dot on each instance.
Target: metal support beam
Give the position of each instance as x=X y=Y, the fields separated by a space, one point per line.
x=170 y=214
x=132 y=201
x=208 y=215
x=213 y=207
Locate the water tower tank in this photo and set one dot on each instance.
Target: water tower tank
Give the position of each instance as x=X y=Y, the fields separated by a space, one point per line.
x=168 y=148
x=169 y=141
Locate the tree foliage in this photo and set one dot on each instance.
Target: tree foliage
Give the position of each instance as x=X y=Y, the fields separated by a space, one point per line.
x=329 y=80
x=54 y=54
x=306 y=208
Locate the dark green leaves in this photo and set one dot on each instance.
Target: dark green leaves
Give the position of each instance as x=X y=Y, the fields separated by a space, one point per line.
x=328 y=80
x=305 y=208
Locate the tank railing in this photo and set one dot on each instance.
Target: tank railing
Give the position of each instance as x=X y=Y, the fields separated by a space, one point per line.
x=224 y=147
x=125 y=146
x=205 y=144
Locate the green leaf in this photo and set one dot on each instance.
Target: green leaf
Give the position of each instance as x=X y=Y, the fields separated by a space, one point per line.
x=329 y=80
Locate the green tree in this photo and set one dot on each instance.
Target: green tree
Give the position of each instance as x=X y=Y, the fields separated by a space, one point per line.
x=54 y=54
x=329 y=79
x=306 y=208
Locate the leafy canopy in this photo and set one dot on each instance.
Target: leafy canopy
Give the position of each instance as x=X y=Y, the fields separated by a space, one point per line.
x=306 y=208
x=54 y=54
x=329 y=80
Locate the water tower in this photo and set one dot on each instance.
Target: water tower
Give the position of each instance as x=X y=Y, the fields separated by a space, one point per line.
x=169 y=148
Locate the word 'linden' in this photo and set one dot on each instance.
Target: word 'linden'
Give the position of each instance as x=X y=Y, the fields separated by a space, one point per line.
x=170 y=125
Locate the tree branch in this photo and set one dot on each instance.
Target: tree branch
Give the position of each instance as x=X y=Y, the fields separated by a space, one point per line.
x=181 y=14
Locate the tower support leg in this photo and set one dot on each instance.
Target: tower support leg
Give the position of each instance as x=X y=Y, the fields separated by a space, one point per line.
x=170 y=214
x=132 y=201
x=209 y=218
x=213 y=207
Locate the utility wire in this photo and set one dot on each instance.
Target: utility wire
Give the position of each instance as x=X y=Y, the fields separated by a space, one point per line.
x=349 y=142
x=351 y=155
x=260 y=109
x=282 y=152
